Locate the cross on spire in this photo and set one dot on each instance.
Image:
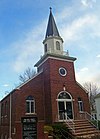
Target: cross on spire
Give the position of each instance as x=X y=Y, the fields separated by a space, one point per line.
x=50 y=9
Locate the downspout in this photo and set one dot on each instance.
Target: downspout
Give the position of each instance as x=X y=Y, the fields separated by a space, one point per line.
x=10 y=118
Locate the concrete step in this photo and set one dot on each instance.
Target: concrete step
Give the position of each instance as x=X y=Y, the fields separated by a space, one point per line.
x=87 y=136
x=81 y=124
x=83 y=128
x=86 y=133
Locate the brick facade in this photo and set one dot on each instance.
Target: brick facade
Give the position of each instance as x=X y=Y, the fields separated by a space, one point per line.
x=45 y=88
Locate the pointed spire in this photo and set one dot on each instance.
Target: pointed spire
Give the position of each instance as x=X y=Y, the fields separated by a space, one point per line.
x=51 y=28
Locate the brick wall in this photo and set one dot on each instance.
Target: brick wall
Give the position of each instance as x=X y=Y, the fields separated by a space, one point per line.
x=44 y=88
x=54 y=85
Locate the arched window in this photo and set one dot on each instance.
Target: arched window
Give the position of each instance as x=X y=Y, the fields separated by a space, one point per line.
x=30 y=105
x=80 y=104
x=57 y=45
x=64 y=95
x=65 y=109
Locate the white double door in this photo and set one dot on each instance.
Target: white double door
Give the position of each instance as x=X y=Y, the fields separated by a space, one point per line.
x=65 y=110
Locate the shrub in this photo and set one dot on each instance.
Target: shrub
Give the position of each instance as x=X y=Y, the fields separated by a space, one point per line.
x=95 y=123
x=48 y=129
x=99 y=125
x=57 y=130
x=60 y=131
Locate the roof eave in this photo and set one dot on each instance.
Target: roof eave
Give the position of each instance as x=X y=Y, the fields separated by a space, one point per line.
x=54 y=56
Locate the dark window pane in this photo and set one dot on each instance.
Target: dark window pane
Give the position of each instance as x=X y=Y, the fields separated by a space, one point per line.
x=79 y=99
x=29 y=98
x=27 y=107
x=80 y=105
x=32 y=107
x=45 y=47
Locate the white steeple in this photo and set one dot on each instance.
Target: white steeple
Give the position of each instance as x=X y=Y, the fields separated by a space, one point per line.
x=53 y=43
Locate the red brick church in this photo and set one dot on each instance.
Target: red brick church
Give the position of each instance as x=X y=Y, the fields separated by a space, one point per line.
x=53 y=94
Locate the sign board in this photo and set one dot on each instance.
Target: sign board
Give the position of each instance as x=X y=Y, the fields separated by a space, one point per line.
x=29 y=127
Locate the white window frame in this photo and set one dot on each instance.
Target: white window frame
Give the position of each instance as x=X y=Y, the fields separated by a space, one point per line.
x=65 y=100
x=62 y=68
x=80 y=103
x=30 y=106
x=57 y=45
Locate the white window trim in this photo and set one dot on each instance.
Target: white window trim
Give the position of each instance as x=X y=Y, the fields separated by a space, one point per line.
x=65 y=100
x=64 y=70
x=30 y=106
x=79 y=102
x=68 y=100
x=57 y=45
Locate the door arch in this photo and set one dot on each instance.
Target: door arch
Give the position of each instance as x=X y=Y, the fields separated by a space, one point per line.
x=65 y=106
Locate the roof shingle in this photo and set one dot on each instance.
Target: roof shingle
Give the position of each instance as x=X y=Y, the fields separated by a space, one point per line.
x=51 y=28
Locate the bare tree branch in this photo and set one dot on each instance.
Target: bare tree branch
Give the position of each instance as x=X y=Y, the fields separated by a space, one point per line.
x=28 y=74
x=93 y=90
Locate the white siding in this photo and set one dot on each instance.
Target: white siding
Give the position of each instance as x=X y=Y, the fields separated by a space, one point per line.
x=97 y=101
x=51 y=45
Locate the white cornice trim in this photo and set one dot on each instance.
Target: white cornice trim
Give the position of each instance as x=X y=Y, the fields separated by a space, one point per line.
x=50 y=57
x=29 y=80
x=82 y=87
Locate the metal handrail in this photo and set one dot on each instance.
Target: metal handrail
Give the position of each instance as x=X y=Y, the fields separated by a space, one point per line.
x=89 y=117
x=70 y=124
x=68 y=121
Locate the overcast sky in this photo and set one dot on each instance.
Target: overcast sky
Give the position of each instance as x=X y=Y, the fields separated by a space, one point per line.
x=23 y=25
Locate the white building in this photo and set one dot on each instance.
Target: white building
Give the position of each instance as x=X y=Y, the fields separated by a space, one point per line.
x=97 y=102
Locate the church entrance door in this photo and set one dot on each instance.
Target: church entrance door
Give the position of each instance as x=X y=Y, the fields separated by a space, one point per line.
x=65 y=110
